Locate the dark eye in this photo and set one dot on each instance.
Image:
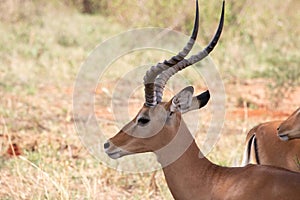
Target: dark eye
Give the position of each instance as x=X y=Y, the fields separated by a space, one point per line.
x=143 y=121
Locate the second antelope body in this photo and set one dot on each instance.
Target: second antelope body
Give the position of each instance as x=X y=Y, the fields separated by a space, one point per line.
x=158 y=127
x=263 y=146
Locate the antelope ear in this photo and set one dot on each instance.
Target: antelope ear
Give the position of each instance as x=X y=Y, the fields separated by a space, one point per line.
x=183 y=100
x=199 y=101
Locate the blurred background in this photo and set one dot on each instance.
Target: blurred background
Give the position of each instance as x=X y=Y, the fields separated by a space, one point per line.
x=43 y=43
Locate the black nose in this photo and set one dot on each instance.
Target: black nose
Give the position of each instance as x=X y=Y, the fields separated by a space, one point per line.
x=106 y=145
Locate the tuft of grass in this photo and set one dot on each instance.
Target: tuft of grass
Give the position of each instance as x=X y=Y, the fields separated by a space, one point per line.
x=284 y=73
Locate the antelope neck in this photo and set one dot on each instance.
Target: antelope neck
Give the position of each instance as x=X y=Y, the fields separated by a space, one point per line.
x=190 y=170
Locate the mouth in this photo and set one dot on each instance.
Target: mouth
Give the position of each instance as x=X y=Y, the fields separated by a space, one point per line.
x=114 y=155
x=117 y=153
x=283 y=137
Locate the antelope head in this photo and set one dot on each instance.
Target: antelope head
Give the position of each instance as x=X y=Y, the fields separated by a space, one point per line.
x=157 y=122
x=290 y=128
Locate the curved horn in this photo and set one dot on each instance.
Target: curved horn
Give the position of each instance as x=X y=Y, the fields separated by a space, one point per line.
x=151 y=74
x=161 y=81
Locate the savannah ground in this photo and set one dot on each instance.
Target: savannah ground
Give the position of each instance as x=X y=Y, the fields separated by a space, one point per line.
x=43 y=44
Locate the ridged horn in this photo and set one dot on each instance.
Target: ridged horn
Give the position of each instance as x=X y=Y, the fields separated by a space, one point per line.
x=154 y=71
x=162 y=79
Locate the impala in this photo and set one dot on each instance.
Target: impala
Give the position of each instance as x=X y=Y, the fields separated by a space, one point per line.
x=158 y=127
x=290 y=128
x=263 y=146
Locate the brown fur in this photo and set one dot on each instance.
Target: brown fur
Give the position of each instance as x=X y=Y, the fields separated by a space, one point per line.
x=271 y=150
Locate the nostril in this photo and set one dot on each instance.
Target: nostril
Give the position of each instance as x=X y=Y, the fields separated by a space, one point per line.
x=106 y=145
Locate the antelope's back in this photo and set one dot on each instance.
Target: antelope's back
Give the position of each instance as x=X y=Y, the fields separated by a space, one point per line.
x=263 y=146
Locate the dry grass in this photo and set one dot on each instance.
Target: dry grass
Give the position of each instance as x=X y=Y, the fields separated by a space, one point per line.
x=41 y=49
